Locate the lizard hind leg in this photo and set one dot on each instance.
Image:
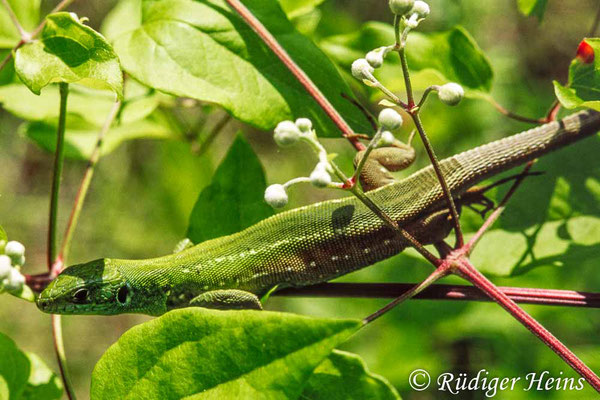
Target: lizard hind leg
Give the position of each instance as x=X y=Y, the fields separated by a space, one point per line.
x=227 y=299
x=376 y=170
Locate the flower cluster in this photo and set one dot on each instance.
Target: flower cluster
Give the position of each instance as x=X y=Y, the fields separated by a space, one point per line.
x=409 y=14
x=12 y=257
x=288 y=133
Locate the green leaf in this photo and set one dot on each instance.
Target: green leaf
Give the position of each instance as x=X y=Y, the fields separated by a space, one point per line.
x=344 y=376
x=209 y=354
x=235 y=198
x=203 y=50
x=24 y=293
x=24 y=376
x=533 y=7
x=81 y=137
x=14 y=369
x=28 y=14
x=452 y=55
x=556 y=243
x=583 y=87
x=69 y=51
x=294 y=8
x=3 y=235
x=43 y=383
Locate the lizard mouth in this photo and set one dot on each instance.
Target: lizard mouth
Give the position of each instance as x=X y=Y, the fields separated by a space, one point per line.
x=51 y=307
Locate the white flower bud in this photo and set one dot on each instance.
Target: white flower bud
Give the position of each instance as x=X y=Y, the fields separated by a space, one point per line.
x=15 y=281
x=276 y=196
x=286 y=133
x=14 y=249
x=451 y=93
x=361 y=69
x=387 y=139
x=421 y=9
x=390 y=119
x=401 y=7
x=304 y=124
x=320 y=177
x=413 y=21
x=375 y=58
x=5 y=267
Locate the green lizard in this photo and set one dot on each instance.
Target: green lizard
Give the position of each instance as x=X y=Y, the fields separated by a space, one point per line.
x=302 y=246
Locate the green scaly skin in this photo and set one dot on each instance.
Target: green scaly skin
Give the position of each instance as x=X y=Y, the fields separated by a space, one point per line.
x=299 y=247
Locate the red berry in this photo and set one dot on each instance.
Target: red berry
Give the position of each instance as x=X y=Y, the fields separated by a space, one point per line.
x=585 y=53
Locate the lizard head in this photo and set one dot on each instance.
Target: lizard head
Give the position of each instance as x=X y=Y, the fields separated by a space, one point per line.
x=95 y=287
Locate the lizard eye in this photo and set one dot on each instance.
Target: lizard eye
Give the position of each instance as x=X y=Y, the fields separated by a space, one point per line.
x=123 y=295
x=80 y=296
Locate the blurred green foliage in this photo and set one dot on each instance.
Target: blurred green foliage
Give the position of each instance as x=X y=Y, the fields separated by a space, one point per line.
x=144 y=191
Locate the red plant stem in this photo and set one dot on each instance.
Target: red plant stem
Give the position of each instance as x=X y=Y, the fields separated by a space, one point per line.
x=304 y=79
x=548 y=297
x=553 y=112
x=514 y=116
x=468 y=271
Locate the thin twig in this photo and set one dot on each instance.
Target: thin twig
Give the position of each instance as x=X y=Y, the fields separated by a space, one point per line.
x=553 y=111
x=513 y=115
x=304 y=79
x=22 y=32
x=436 y=275
x=58 y=165
x=59 y=349
x=212 y=135
x=548 y=297
x=85 y=184
x=440 y=175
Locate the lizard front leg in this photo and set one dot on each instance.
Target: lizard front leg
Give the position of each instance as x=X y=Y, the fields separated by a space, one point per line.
x=376 y=170
x=227 y=299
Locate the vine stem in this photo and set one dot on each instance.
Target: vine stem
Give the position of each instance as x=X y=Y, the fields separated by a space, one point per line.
x=59 y=349
x=84 y=187
x=548 y=297
x=414 y=113
x=300 y=75
x=52 y=226
x=438 y=171
x=59 y=157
